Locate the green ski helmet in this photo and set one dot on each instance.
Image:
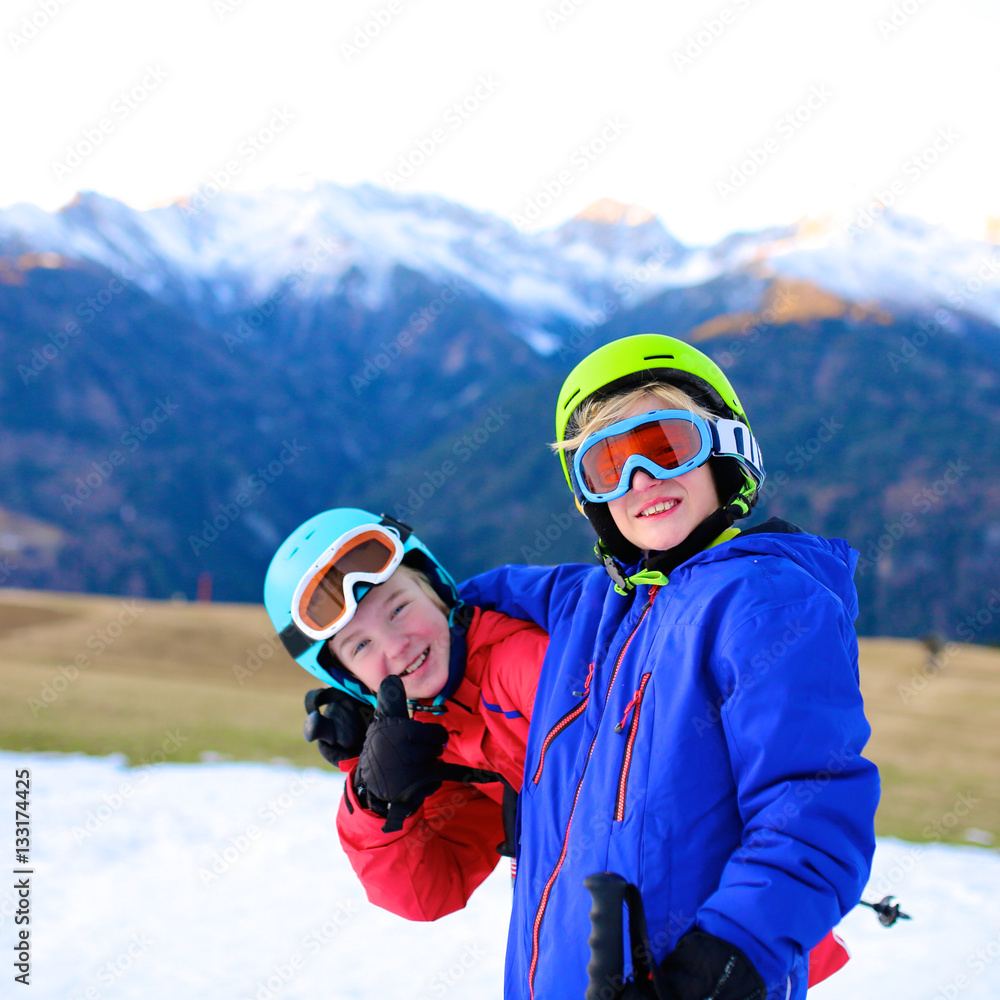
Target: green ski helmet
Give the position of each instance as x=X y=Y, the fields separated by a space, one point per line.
x=296 y=556
x=638 y=360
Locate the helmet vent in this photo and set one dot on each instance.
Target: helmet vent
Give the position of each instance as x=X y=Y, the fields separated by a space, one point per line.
x=659 y=357
x=571 y=398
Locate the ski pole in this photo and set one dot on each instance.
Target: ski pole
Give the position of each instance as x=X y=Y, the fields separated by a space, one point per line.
x=605 y=970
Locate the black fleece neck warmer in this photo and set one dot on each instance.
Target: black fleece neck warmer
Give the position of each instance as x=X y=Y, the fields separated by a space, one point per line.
x=729 y=479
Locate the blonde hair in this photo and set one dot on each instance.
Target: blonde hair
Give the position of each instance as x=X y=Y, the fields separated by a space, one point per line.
x=596 y=413
x=423 y=582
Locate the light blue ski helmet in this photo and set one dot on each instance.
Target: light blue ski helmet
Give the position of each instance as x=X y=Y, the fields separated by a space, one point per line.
x=296 y=556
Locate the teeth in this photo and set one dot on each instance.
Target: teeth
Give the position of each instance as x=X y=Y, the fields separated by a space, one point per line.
x=660 y=507
x=418 y=663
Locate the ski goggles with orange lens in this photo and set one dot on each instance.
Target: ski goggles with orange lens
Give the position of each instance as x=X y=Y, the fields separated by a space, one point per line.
x=324 y=601
x=663 y=443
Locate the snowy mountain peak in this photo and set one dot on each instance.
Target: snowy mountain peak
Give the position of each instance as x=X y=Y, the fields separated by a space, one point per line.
x=612 y=212
x=889 y=258
x=225 y=251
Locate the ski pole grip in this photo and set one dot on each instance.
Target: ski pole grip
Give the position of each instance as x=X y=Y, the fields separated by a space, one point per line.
x=605 y=971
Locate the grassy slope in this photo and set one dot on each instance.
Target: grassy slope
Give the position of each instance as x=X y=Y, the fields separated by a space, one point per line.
x=176 y=680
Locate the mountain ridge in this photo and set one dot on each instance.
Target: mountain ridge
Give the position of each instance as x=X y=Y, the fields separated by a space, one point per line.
x=353 y=341
x=245 y=245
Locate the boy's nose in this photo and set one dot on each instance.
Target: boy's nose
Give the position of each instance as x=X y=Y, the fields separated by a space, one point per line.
x=642 y=480
x=395 y=646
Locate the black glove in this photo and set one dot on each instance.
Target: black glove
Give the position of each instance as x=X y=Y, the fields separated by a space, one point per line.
x=399 y=766
x=337 y=722
x=703 y=965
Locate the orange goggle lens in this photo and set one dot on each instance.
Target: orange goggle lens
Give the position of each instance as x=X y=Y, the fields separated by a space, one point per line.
x=667 y=443
x=323 y=601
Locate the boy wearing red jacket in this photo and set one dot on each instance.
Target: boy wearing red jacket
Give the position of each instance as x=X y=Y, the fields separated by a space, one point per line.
x=363 y=605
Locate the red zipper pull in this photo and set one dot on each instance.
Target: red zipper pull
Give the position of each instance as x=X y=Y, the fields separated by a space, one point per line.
x=586 y=684
x=628 y=708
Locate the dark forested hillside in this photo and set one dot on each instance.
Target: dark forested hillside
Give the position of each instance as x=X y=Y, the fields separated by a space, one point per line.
x=153 y=435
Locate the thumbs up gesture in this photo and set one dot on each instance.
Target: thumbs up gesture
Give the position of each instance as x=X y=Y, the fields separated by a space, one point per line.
x=399 y=763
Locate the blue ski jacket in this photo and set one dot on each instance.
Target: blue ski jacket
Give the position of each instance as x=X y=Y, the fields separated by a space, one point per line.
x=702 y=739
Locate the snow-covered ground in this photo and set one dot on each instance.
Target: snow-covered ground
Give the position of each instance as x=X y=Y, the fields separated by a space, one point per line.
x=225 y=881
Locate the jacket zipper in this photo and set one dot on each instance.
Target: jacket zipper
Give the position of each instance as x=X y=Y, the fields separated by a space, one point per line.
x=572 y=714
x=627 y=761
x=546 y=891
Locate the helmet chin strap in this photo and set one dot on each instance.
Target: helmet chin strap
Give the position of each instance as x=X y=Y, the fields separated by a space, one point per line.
x=611 y=542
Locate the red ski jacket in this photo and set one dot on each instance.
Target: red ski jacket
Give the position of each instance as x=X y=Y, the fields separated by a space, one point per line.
x=448 y=847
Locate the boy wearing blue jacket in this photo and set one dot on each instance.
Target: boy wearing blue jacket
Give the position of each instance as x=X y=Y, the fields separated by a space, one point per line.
x=698 y=724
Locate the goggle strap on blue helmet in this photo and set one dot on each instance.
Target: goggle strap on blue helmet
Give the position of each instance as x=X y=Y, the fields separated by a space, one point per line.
x=295 y=640
x=404 y=529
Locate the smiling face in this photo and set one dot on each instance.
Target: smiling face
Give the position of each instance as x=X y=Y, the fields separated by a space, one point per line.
x=399 y=629
x=660 y=513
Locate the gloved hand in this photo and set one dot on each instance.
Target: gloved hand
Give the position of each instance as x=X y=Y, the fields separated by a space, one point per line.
x=337 y=722
x=703 y=965
x=398 y=767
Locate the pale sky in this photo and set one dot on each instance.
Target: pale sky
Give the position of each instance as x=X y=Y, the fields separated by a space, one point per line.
x=718 y=116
